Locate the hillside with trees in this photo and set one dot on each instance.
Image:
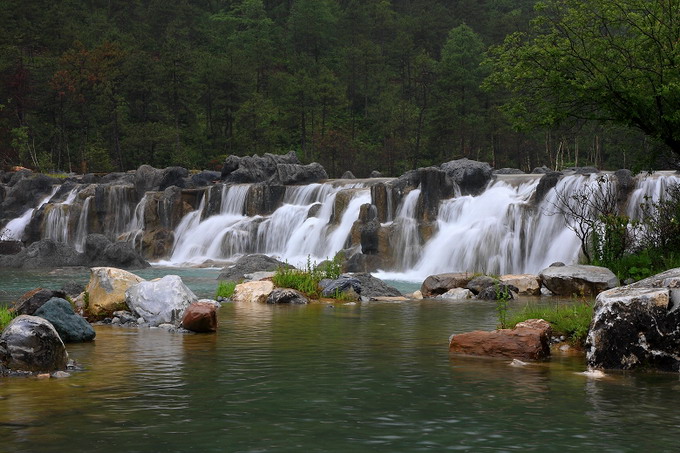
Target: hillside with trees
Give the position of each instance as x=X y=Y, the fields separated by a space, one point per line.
x=356 y=85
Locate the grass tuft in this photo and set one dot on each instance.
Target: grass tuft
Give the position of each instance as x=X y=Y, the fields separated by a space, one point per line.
x=225 y=289
x=6 y=316
x=570 y=320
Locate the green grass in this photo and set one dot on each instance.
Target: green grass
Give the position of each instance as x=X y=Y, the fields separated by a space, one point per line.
x=6 y=316
x=225 y=289
x=570 y=320
x=307 y=280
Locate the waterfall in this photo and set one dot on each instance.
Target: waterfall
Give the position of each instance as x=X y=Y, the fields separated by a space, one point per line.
x=118 y=210
x=15 y=228
x=81 y=229
x=58 y=218
x=650 y=188
x=405 y=230
x=234 y=199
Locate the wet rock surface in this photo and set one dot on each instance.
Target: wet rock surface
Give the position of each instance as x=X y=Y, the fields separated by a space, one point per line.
x=287 y=296
x=30 y=343
x=256 y=292
x=160 y=301
x=200 y=317
x=71 y=327
x=435 y=285
x=28 y=303
x=579 y=280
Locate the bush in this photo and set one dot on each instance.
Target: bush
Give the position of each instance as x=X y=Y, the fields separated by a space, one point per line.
x=307 y=280
x=6 y=316
x=571 y=320
x=225 y=289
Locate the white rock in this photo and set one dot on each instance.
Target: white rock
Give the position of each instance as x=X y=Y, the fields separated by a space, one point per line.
x=160 y=301
x=456 y=294
x=253 y=291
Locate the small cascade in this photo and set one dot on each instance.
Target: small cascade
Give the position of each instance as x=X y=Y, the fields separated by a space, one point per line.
x=58 y=218
x=81 y=229
x=650 y=189
x=234 y=199
x=118 y=204
x=405 y=230
x=14 y=230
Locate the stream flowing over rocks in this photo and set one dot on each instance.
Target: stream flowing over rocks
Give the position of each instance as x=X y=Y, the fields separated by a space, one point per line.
x=460 y=216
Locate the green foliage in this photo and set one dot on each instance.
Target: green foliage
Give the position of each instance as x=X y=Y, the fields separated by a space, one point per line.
x=571 y=320
x=6 y=316
x=502 y=297
x=307 y=280
x=225 y=289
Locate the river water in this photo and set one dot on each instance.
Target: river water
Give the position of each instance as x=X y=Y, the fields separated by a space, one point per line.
x=365 y=377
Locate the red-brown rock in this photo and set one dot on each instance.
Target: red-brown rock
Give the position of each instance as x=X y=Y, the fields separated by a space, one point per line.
x=529 y=340
x=200 y=317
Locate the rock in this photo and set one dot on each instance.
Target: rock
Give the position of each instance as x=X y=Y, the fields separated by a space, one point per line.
x=173 y=176
x=11 y=247
x=526 y=284
x=497 y=292
x=579 y=280
x=72 y=288
x=435 y=285
x=30 y=343
x=124 y=317
x=287 y=296
x=548 y=181
x=288 y=174
x=254 y=169
x=541 y=170
x=527 y=341
x=348 y=175
x=106 y=290
x=370 y=239
x=375 y=174
x=359 y=262
x=160 y=301
x=264 y=199
x=100 y=252
x=481 y=282
x=200 y=317
x=636 y=326
x=205 y=178
x=344 y=287
x=435 y=186
x=45 y=253
x=456 y=294
x=34 y=299
x=25 y=190
x=255 y=276
x=471 y=176
x=508 y=171
x=373 y=287
x=417 y=295
x=72 y=328
x=252 y=292
x=250 y=264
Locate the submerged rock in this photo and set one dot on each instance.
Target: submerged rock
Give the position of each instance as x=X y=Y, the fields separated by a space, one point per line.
x=529 y=340
x=160 y=301
x=456 y=294
x=30 y=343
x=579 y=280
x=200 y=317
x=72 y=328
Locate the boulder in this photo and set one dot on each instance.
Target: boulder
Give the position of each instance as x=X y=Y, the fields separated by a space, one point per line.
x=375 y=174
x=253 y=291
x=34 y=299
x=471 y=176
x=636 y=326
x=526 y=284
x=10 y=247
x=106 y=290
x=348 y=175
x=200 y=317
x=435 y=185
x=435 y=285
x=264 y=199
x=344 y=287
x=580 y=280
x=287 y=174
x=253 y=169
x=72 y=328
x=160 y=301
x=100 y=251
x=481 y=282
x=527 y=341
x=287 y=296
x=45 y=253
x=30 y=343
x=497 y=292
x=204 y=178
x=72 y=288
x=249 y=264
x=373 y=287
x=456 y=294
x=548 y=181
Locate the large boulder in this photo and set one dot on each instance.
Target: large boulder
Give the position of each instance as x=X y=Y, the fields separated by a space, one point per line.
x=43 y=254
x=548 y=181
x=529 y=340
x=100 y=251
x=636 y=326
x=471 y=176
x=299 y=174
x=435 y=285
x=72 y=328
x=106 y=290
x=251 y=169
x=287 y=296
x=579 y=280
x=200 y=317
x=374 y=287
x=249 y=264
x=257 y=291
x=481 y=282
x=30 y=343
x=160 y=301
x=34 y=299
x=345 y=287
x=526 y=284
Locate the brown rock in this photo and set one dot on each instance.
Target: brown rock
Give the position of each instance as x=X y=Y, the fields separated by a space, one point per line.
x=200 y=317
x=529 y=340
x=435 y=285
x=34 y=299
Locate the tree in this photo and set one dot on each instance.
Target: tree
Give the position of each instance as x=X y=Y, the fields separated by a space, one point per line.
x=611 y=61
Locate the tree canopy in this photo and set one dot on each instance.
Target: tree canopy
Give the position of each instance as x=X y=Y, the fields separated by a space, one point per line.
x=606 y=60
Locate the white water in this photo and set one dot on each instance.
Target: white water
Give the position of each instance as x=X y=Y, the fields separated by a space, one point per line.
x=81 y=229
x=15 y=228
x=405 y=230
x=58 y=217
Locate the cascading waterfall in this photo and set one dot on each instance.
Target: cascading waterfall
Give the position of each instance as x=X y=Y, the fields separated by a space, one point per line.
x=651 y=188
x=118 y=206
x=81 y=229
x=405 y=228
x=15 y=228
x=58 y=217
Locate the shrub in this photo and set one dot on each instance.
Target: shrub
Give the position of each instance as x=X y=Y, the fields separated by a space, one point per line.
x=6 y=316
x=307 y=280
x=225 y=289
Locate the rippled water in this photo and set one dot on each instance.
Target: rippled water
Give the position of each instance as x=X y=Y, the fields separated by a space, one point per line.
x=365 y=377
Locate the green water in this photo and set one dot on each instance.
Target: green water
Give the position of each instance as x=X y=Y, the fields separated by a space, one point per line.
x=364 y=377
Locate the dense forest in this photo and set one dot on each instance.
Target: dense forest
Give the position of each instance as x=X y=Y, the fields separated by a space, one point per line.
x=360 y=85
